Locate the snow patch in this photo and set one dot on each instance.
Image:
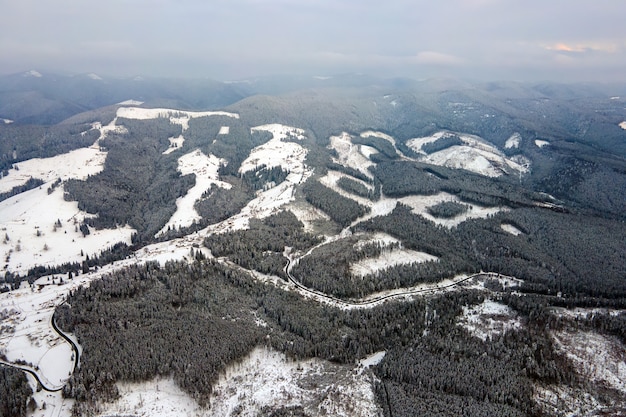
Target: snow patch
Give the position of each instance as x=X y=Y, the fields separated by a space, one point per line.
x=42 y=229
x=264 y=379
x=489 y=319
x=156 y=398
x=379 y=238
x=541 y=143
x=419 y=205
x=371 y=133
x=94 y=76
x=509 y=228
x=79 y=164
x=351 y=155
x=561 y=400
x=268 y=379
x=33 y=73
x=145 y=114
x=130 y=103
x=389 y=258
x=308 y=215
x=372 y=360
x=224 y=130
x=622 y=125
x=476 y=155
x=599 y=359
x=462 y=157
x=175 y=144
x=7 y=121
x=417 y=143
x=205 y=168
x=513 y=141
x=277 y=152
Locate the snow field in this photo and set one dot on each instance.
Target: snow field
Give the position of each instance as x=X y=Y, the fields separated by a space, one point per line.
x=180 y=117
x=79 y=164
x=513 y=141
x=476 y=155
x=130 y=103
x=175 y=116
x=205 y=168
x=156 y=398
x=389 y=257
x=277 y=151
x=371 y=133
x=489 y=319
x=308 y=215
x=598 y=358
x=351 y=155
x=34 y=340
x=31 y=219
x=268 y=378
x=509 y=228
x=264 y=379
x=419 y=205
x=175 y=144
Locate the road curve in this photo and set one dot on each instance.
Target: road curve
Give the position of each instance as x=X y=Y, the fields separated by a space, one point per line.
x=32 y=372
x=375 y=300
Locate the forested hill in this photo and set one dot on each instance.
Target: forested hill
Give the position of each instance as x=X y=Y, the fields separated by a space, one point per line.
x=471 y=237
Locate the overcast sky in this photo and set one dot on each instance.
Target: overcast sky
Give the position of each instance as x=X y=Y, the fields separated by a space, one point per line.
x=561 y=40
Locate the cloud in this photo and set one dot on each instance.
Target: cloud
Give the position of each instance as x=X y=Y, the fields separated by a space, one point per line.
x=437 y=58
x=607 y=47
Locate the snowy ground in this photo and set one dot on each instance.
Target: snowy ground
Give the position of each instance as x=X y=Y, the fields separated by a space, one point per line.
x=351 y=155
x=308 y=215
x=599 y=360
x=419 y=205
x=176 y=116
x=205 y=168
x=390 y=139
x=489 y=319
x=622 y=125
x=180 y=117
x=277 y=151
x=509 y=228
x=541 y=143
x=7 y=121
x=33 y=339
x=476 y=155
x=513 y=141
x=78 y=164
x=29 y=236
x=387 y=258
x=264 y=379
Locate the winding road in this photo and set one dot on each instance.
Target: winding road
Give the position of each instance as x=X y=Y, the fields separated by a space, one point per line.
x=376 y=300
x=34 y=373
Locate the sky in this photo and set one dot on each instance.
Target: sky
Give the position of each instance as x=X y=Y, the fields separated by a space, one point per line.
x=530 y=40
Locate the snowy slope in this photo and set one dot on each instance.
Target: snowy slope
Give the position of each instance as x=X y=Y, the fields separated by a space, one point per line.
x=476 y=155
x=205 y=168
